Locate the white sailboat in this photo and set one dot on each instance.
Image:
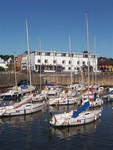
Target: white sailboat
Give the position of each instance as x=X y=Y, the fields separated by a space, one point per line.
x=90 y=95
x=77 y=117
x=28 y=103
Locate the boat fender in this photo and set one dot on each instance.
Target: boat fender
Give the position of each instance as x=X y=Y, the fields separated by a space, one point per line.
x=99 y=114
x=95 y=117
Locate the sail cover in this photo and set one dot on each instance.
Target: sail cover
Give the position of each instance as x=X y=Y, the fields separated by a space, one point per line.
x=81 y=109
x=111 y=92
x=95 y=96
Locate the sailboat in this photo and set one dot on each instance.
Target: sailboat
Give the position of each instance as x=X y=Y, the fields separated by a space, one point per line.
x=77 y=117
x=90 y=95
x=13 y=93
x=28 y=103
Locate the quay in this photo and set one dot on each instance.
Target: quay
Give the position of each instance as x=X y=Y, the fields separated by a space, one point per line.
x=102 y=79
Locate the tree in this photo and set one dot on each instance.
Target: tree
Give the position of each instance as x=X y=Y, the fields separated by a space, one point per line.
x=2 y=69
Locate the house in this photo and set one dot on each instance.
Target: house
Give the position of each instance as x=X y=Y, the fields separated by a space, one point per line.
x=105 y=65
x=58 y=61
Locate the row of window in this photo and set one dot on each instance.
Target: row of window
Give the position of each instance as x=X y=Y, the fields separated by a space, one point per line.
x=63 y=61
x=63 y=54
x=54 y=54
x=54 y=68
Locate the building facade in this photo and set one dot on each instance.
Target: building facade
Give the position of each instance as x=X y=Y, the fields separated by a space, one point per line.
x=52 y=61
x=105 y=65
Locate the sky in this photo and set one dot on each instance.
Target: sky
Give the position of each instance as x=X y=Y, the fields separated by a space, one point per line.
x=52 y=22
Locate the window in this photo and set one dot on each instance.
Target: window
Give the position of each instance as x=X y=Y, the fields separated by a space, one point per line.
x=46 y=61
x=47 y=54
x=38 y=53
x=69 y=68
x=63 y=61
x=63 y=68
x=39 y=61
x=63 y=54
x=78 y=62
x=54 y=61
x=71 y=55
x=69 y=61
x=83 y=63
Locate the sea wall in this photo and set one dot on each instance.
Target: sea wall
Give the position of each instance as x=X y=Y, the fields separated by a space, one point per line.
x=103 y=79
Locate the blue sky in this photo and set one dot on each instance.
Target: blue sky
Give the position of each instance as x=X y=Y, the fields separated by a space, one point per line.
x=53 y=21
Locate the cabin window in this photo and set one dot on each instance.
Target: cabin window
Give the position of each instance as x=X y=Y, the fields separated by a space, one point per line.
x=87 y=113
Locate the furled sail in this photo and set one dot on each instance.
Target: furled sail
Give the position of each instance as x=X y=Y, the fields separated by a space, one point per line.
x=81 y=109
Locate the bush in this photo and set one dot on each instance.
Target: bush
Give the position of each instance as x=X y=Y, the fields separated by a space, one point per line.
x=2 y=69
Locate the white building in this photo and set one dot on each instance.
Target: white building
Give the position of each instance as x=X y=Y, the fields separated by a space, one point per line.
x=51 y=61
x=3 y=63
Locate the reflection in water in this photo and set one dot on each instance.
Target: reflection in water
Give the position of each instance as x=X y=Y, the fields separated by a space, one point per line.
x=109 y=104
x=33 y=132
x=69 y=132
x=20 y=121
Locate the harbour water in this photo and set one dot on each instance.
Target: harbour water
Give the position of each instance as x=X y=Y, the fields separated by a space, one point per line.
x=33 y=132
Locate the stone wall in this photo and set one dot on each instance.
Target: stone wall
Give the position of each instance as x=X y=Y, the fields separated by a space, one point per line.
x=8 y=80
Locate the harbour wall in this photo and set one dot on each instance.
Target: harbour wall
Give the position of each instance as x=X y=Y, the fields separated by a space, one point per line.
x=102 y=79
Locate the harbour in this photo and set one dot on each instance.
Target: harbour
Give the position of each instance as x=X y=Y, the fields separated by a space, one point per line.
x=34 y=132
x=55 y=93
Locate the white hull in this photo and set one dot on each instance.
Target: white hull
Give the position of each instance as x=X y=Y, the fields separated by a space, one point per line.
x=63 y=101
x=66 y=119
x=26 y=106
x=23 y=110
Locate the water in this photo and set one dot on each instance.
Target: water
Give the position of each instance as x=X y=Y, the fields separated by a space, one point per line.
x=33 y=132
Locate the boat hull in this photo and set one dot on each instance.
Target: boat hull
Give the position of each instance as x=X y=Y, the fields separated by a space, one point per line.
x=66 y=119
x=28 y=108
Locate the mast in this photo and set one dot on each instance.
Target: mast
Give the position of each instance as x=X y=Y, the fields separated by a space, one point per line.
x=40 y=65
x=70 y=58
x=87 y=33
x=15 y=71
x=95 y=79
x=28 y=49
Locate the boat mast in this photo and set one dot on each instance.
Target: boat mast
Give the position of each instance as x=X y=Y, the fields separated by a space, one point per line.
x=70 y=58
x=40 y=64
x=95 y=79
x=15 y=71
x=87 y=33
x=28 y=49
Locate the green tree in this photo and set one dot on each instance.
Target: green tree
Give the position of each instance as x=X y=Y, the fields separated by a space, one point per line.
x=2 y=69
